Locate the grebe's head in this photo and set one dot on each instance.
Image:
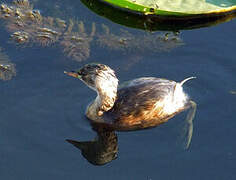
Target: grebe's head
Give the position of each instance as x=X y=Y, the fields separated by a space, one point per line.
x=102 y=79
x=95 y=74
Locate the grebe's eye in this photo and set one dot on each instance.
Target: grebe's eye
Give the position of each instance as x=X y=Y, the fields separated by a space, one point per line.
x=81 y=72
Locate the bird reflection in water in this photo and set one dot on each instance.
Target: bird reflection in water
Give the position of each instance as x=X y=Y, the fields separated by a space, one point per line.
x=137 y=104
x=103 y=149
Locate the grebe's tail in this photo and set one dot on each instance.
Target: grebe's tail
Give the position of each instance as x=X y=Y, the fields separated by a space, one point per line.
x=182 y=82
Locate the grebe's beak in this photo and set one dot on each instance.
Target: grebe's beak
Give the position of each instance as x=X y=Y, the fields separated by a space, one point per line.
x=73 y=74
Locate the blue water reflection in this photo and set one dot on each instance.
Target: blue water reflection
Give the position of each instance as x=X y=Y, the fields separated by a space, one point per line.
x=40 y=108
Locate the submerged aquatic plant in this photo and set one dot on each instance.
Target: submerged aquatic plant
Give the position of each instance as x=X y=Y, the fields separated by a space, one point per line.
x=77 y=44
x=28 y=27
x=148 y=42
x=7 y=69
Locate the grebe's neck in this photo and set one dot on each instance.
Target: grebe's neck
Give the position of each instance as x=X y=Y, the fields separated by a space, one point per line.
x=106 y=85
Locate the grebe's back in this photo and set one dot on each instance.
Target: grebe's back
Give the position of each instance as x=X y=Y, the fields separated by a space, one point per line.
x=144 y=103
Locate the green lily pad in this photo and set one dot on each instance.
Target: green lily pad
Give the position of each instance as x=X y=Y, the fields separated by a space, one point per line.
x=128 y=14
x=175 y=7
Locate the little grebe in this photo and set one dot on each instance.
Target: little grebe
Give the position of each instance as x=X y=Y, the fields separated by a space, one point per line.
x=137 y=104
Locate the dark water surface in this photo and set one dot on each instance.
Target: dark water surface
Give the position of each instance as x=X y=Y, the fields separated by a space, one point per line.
x=41 y=107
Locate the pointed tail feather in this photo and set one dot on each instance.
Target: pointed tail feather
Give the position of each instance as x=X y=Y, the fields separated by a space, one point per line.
x=182 y=82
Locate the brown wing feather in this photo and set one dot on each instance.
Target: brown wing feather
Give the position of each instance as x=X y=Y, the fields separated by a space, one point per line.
x=136 y=104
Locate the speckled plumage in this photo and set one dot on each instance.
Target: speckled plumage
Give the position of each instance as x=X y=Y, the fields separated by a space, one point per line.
x=140 y=104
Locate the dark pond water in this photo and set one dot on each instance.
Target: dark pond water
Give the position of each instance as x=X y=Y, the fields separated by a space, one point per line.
x=41 y=107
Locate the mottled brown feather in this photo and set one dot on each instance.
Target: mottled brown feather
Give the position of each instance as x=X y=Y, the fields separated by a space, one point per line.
x=136 y=106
